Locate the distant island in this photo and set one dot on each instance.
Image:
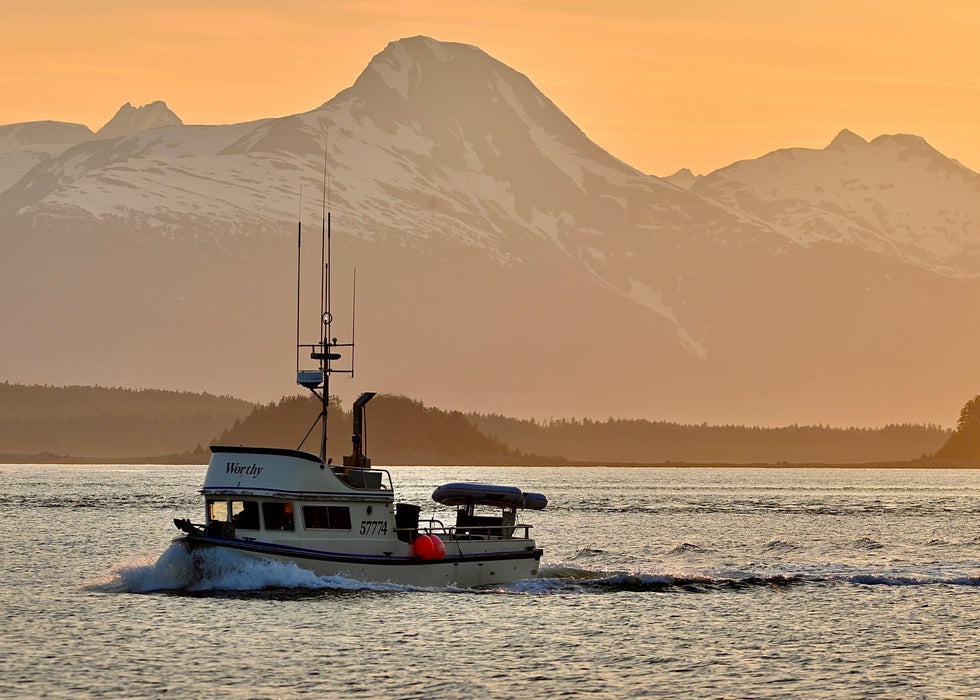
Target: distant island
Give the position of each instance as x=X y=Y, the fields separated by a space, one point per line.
x=94 y=424
x=963 y=446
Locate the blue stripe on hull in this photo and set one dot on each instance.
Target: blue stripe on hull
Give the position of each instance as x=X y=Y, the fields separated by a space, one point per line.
x=193 y=542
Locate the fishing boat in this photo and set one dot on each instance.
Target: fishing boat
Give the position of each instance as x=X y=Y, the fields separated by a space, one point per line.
x=297 y=507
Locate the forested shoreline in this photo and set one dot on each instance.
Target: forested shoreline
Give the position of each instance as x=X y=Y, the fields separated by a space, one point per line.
x=85 y=424
x=640 y=441
x=102 y=423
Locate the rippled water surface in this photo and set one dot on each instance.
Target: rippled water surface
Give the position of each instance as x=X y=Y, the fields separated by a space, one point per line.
x=655 y=583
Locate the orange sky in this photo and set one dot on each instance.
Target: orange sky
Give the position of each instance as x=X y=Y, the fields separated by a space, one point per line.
x=661 y=84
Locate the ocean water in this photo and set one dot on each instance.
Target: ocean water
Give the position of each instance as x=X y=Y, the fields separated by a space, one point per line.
x=655 y=583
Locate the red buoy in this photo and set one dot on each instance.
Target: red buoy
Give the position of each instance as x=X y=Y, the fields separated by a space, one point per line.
x=439 y=549
x=424 y=547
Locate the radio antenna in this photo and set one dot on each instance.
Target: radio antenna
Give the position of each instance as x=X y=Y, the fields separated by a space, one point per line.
x=299 y=260
x=326 y=318
x=353 y=317
x=325 y=349
x=324 y=251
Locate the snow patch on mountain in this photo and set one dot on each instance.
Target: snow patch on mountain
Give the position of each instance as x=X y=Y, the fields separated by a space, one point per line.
x=393 y=71
x=25 y=145
x=545 y=142
x=653 y=299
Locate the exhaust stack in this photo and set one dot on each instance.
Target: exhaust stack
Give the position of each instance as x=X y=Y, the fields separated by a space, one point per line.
x=358 y=458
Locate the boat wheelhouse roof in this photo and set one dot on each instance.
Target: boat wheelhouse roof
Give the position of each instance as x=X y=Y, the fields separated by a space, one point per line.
x=276 y=472
x=266 y=451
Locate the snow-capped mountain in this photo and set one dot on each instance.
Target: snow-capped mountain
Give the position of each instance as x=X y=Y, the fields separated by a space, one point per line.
x=505 y=262
x=22 y=146
x=896 y=196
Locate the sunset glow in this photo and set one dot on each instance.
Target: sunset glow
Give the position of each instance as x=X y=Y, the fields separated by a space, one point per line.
x=659 y=84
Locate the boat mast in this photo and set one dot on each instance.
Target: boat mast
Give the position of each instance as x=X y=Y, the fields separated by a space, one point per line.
x=325 y=316
x=299 y=267
x=324 y=351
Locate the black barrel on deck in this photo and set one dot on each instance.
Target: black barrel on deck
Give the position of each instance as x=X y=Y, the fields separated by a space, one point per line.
x=407 y=521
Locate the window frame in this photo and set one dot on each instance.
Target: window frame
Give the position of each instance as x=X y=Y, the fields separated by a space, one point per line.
x=336 y=517
x=288 y=511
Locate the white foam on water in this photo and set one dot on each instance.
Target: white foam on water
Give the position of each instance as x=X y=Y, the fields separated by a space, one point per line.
x=221 y=569
x=226 y=570
x=173 y=570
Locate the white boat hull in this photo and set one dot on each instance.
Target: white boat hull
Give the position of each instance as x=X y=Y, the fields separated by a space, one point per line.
x=472 y=570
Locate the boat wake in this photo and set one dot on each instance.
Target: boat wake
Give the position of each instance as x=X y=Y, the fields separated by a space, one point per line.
x=227 y=573
x=565 y=578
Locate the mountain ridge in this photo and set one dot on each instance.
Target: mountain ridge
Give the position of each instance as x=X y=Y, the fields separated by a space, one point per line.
x=521 y=268
x=898 y=220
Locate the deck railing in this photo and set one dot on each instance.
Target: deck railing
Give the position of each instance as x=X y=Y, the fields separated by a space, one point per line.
x=517 y=531
x=370 y=478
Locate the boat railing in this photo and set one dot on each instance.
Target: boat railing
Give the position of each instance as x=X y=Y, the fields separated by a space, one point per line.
x=434 y=525
x=364 y=477
x=483 y=532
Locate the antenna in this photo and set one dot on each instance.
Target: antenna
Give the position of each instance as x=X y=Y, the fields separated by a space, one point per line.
x=324 y=350
x=325 y=208
x=324 y=247
x=353 y=317
x=326 y=319
x=299 y=260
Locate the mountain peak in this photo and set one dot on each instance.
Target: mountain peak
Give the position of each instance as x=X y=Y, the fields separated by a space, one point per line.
x=466 y=106
x=683 y=178
x=846 y=139
x=130 y=119
x=418 y=63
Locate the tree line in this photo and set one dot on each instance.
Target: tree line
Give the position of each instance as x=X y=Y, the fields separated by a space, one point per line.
x=90 y=422
x=114 y=423
x=397 y=430
x=964 y=443
x=646 y=442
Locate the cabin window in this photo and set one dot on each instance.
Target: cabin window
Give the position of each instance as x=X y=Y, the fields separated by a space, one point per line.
x=326 y=517
x=278 y=516
x=245 y=515
x=218 y=510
